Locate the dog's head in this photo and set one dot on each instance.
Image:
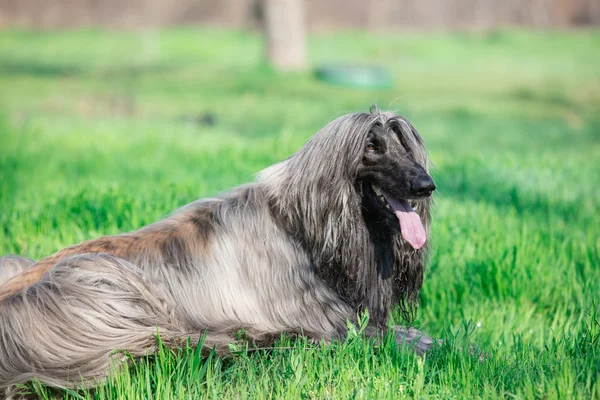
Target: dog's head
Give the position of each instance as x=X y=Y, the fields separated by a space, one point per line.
x=392 y=174
x=346 y=196
x=378 y=156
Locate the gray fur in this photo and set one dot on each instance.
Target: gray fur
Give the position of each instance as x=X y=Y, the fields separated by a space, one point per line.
x=289 y=253
x=13 y=265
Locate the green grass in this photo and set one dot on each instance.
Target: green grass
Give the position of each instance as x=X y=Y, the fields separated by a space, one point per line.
x=99 y=134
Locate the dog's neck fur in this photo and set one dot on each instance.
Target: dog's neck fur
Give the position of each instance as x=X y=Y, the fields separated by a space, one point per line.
x=354 y=254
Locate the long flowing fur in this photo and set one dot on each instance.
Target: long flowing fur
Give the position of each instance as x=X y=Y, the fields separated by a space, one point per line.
x=291 y=252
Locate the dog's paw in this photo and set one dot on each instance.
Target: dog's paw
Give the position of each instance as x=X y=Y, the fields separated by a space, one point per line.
x=414 y=339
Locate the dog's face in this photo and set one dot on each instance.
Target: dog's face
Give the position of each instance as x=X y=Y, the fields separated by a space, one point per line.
x=389 y=177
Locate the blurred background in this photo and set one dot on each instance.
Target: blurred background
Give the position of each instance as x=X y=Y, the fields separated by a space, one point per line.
x=114 y=113
x=320 y=15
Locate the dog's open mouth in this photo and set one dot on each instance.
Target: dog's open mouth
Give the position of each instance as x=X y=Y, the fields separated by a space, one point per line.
x=410 y=223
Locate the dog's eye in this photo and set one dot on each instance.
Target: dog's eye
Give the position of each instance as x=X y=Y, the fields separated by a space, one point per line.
x=371 y=148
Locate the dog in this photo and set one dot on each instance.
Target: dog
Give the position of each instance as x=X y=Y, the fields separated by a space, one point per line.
x=338 y=228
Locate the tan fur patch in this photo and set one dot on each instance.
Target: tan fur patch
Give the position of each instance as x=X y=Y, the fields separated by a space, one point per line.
x=188 y=229
x=24 y=279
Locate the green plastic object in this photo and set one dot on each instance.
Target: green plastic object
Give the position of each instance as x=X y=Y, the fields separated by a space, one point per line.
x=356 y=76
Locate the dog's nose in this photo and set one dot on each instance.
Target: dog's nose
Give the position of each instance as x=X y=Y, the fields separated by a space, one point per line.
x=423 y=186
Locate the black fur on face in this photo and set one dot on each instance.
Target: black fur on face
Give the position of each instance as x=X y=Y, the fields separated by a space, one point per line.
x=388 y=166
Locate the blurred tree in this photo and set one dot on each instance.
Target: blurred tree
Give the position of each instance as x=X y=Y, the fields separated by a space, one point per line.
x=286 y=33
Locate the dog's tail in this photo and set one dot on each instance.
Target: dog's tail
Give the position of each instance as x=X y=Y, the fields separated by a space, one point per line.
x=64 y=329
x=13 y=265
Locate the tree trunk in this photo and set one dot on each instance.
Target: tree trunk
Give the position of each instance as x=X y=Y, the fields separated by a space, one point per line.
x=286 y=33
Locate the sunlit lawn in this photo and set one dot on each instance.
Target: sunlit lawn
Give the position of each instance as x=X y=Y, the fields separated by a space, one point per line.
x=103 y=132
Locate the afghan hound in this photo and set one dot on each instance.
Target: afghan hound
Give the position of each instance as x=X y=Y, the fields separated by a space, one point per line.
x=338 y=228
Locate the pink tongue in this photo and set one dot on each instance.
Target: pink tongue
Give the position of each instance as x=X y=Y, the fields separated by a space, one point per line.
x=410 y=223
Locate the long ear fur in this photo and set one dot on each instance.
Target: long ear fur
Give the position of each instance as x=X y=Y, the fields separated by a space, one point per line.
x=314 y=194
